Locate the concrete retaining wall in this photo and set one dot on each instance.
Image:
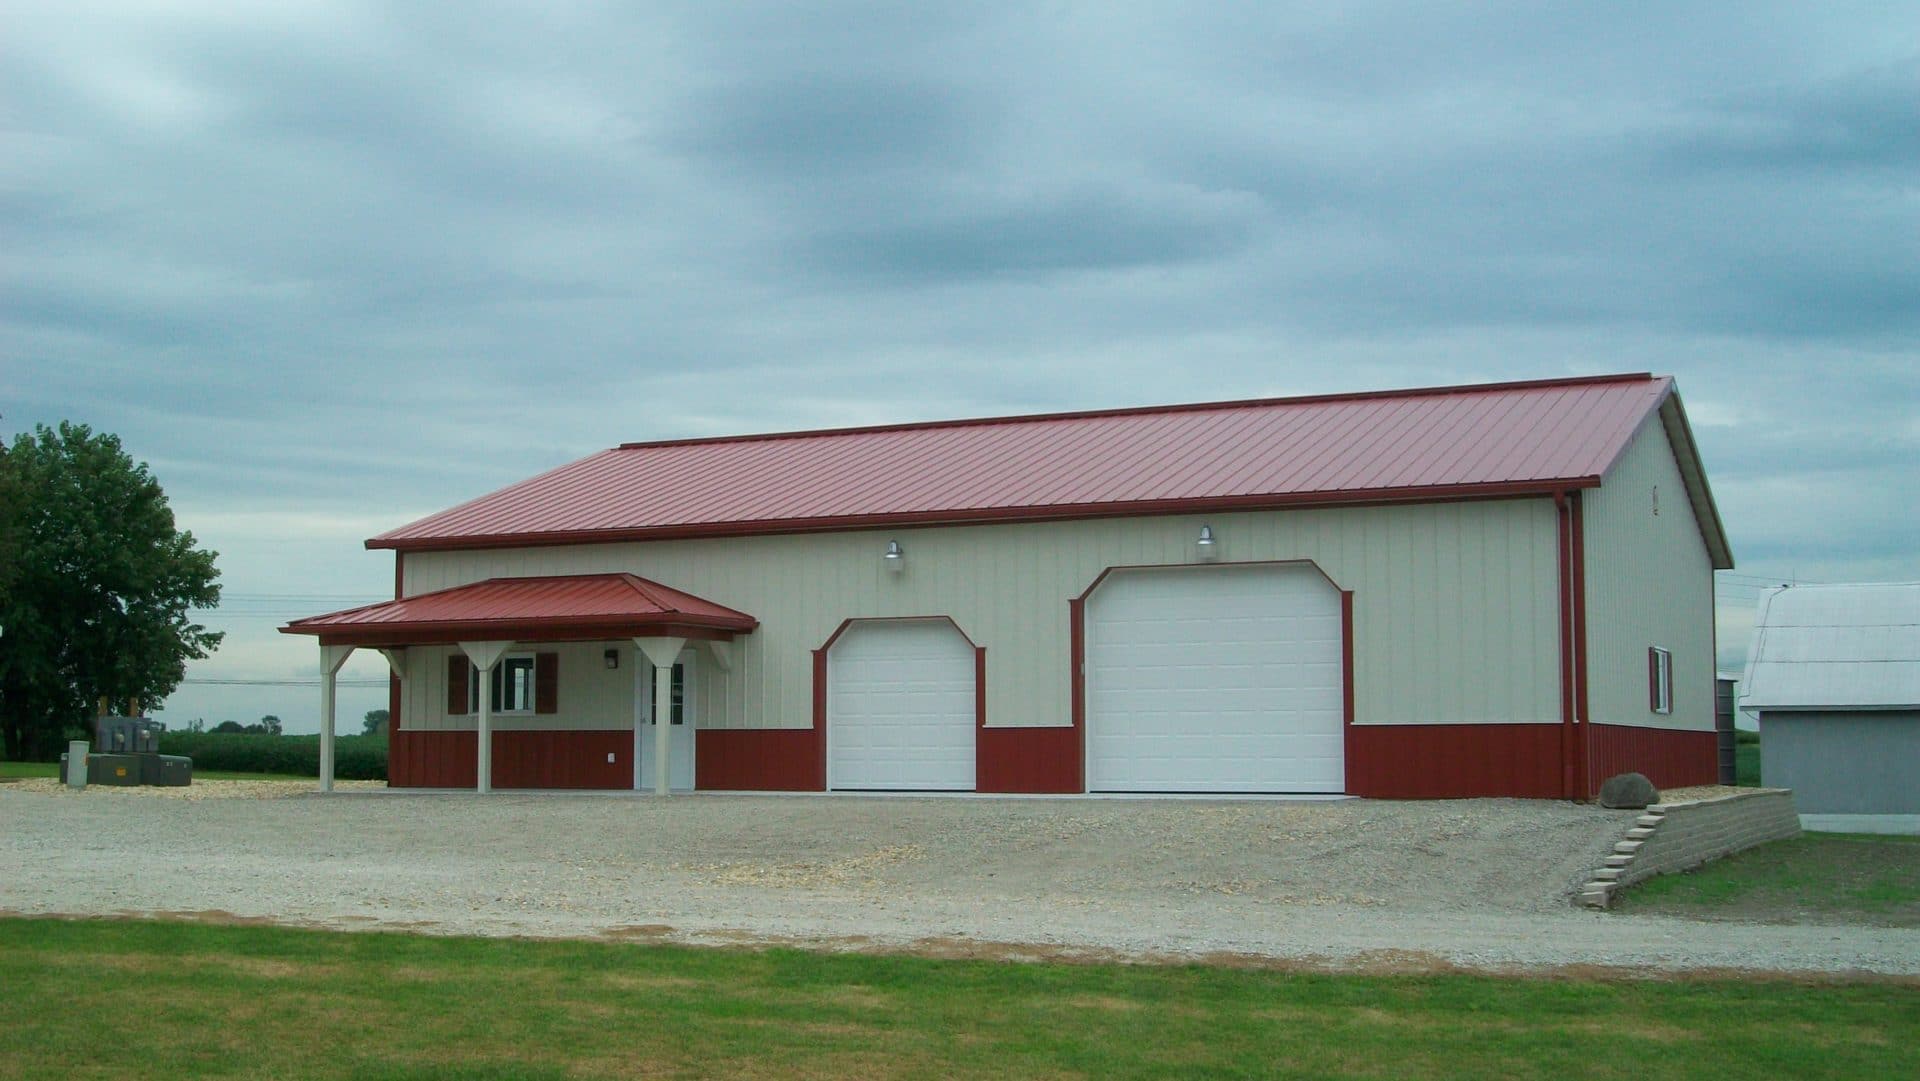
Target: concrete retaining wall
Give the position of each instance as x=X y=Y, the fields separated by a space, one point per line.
x=1671 y=837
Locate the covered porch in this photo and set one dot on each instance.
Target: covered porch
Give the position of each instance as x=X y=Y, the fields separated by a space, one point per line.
x=482 y=628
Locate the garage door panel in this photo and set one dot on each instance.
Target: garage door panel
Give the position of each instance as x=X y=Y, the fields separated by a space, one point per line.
x=1225 y=679
x=900 y=707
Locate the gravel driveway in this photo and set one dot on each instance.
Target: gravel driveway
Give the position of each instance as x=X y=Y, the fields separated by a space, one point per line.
x=1474 y=883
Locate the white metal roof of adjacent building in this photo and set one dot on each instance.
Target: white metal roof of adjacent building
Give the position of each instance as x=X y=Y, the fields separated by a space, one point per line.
x=1835 y=647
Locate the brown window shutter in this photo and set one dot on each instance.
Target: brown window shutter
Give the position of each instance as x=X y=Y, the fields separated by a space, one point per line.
x=546 y=683
x=457 y=669
x=1653 y=679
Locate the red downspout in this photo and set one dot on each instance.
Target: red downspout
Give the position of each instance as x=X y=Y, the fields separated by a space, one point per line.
x=394 y=743
x=1582 y=717
x=1568 y=780
x=1077 y=657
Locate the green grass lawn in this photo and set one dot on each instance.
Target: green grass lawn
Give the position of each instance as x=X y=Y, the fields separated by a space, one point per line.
x=1814 y=878
x=52 y=769
x=108 y=999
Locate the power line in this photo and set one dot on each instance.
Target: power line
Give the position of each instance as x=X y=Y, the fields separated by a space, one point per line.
x=315 y=682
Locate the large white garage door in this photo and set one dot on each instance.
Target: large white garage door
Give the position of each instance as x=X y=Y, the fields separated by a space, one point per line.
x=1215 y=679
x=900 y=707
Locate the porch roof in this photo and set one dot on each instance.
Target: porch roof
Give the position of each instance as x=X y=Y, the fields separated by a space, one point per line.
x=572 y=607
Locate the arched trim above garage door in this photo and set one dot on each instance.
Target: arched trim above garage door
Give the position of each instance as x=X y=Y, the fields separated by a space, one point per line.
x=1077 y=608
x=822 y=680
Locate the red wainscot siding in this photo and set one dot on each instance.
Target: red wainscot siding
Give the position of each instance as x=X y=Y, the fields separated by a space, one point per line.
x=1028 y=760
x=417 y=759
x=759 y=759
x=1454 y=761
x=1669 y=758
x=566 y=759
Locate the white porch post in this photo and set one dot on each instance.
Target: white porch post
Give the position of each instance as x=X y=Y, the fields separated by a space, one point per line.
x=662 y=652
x=484 y=656
x=331 y=658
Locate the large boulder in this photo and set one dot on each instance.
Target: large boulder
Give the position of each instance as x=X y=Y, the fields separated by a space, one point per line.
x=1628 y=790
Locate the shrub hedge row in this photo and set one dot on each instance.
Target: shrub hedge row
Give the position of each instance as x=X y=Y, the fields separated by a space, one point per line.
x=358 y=758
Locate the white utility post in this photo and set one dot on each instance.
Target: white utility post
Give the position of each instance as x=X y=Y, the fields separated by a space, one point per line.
x=662 y=652
x=484 y=656
x=331 y=658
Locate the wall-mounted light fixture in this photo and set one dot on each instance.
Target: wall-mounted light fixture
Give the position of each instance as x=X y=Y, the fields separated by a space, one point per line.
x=613 y=658
x=896 y=557
x=1208 y=548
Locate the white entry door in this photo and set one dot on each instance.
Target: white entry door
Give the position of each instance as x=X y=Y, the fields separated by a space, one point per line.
x=1215 y=679
x=900 y=707
x=679 y=741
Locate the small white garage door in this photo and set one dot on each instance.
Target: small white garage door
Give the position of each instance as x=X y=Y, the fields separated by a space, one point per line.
x=900 y=707
x=1215 y=679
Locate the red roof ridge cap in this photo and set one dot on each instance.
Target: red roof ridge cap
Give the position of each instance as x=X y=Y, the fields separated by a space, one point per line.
x=1150 y=410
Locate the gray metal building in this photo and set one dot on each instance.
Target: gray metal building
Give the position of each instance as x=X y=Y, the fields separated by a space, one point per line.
x=1834 y=674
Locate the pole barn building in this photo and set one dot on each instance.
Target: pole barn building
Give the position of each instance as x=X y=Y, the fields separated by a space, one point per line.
x=1463 y=591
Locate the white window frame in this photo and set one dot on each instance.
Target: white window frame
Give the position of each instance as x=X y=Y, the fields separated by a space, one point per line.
x=532 y=669
x=1660 y=680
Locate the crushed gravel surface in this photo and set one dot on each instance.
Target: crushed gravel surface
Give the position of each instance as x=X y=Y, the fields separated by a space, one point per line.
x=1463 y=883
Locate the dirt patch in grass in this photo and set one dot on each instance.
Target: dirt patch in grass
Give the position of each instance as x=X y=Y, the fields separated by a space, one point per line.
x=1820 y=878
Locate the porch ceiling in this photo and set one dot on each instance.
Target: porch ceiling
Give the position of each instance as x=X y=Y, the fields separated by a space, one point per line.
x=548 y=609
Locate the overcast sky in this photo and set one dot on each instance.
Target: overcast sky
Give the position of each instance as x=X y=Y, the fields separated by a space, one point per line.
x=330 y=267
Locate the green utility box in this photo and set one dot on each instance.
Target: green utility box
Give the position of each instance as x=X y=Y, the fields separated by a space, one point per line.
x=116 y=769
x=166 y=770
x=126 y=754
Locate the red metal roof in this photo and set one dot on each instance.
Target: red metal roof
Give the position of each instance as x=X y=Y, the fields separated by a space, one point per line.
x=580 y=606
x=1494 y=439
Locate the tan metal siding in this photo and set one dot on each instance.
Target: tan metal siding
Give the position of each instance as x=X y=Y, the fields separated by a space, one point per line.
x=591 y=696
x=1649 y=583
x=1454 y=604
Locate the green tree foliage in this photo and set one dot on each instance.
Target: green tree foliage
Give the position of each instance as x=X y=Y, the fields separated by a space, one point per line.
x=376 y=722
x=98 y=586
x=268 y=726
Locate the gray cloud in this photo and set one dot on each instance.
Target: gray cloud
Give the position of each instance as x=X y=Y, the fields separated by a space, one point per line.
x=342 y=265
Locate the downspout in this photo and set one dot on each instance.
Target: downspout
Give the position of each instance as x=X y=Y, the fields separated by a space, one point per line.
x=394 y=741
x=1582 y=716
x=1563 y=508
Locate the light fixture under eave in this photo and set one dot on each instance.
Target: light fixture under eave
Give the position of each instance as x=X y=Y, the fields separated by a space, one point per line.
x=1208 y=547
x=612 y=658
x=896 y=557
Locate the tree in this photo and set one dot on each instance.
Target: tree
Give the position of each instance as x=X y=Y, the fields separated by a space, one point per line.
x=229 y=728
x=269 y=725
x=100 y=586
x=376 y=722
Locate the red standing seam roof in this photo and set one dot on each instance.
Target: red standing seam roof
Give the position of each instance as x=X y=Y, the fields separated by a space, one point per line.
x=562 y=606
x=1445 y=442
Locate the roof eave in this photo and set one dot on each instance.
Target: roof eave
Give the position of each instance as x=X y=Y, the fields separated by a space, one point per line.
x=993 y=515
x=1831 y=707
x=1673 y=416
x=441 y=632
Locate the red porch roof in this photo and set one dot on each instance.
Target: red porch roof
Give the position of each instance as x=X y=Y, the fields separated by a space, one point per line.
x=567 y=607
x=1444 y=442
